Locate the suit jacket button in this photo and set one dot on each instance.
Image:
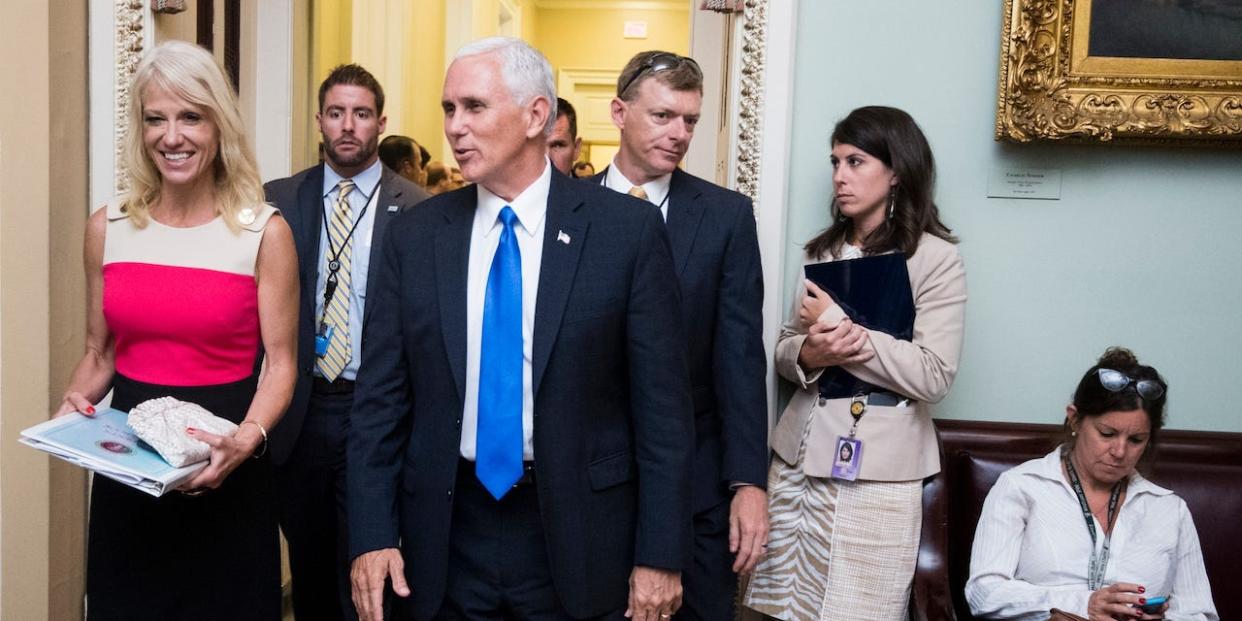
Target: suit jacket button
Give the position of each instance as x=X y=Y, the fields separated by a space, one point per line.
x=450 y=494
x=459 y=423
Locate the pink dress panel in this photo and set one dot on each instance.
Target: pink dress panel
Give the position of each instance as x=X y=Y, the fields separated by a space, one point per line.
x=181 y=326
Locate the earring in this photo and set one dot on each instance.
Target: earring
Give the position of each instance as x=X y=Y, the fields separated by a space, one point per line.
x=892 y=201
x=1073 y=434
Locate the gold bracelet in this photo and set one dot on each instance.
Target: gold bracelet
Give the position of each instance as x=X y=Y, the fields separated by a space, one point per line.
x=263 y=431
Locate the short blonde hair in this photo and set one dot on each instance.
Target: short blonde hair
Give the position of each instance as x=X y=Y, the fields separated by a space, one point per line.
x=190 y=72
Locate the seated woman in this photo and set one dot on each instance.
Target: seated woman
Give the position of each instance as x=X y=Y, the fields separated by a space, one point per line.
x=1080 y=530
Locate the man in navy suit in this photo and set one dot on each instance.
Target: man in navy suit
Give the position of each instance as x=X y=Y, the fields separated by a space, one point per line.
x=522 y=433
x=716 y=257
x=308 y=446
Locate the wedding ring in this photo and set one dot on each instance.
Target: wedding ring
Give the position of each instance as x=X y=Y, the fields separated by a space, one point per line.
x=195 y=492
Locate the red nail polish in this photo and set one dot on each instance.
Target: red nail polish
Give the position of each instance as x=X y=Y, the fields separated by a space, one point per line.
x=1142 y=589
x=90 y=409
x=1142 y=601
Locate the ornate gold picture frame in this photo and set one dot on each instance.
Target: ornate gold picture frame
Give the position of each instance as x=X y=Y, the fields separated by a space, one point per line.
x=1052 y=89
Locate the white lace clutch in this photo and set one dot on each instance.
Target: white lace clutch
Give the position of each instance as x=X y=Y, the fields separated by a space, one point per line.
x=162 y=423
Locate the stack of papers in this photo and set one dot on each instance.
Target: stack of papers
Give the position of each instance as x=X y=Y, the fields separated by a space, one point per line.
x=106 y=445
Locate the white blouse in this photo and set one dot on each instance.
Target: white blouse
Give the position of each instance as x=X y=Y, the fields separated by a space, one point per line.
x=1032 y=548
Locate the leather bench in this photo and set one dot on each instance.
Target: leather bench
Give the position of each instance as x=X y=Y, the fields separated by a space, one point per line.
x=1204 y=468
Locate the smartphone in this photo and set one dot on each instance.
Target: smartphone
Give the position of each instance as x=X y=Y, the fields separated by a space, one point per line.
x=1153 y=604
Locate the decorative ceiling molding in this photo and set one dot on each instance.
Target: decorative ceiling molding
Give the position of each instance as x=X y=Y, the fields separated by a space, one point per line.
x=613 y=5
x=569 y=76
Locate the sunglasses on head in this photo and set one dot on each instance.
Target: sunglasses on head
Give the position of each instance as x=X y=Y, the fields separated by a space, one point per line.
x=656 y=64
x=1116 y=381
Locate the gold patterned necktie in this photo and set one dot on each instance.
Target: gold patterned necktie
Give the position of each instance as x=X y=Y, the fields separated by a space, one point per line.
x=336 y=313
x=638 y=192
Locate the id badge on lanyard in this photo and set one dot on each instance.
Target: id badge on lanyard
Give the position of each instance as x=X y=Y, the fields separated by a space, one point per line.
x=325 y=330
x=847 y=462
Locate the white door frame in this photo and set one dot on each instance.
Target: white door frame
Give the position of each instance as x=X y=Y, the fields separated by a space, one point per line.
x=761 y=146
x=119 y=34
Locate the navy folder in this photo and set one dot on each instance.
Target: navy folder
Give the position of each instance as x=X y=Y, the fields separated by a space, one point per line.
x=875 y=293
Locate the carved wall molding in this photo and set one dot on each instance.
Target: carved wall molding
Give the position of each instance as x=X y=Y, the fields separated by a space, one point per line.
x=130 y=19
x=750 y=113
x=1050 y=89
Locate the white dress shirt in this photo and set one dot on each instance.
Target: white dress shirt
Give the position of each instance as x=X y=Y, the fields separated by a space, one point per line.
x=365 y=194
x=656 y=189
x=1032 y=548
x=531 y=207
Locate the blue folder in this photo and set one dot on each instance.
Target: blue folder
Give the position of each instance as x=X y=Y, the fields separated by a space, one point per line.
x=875 y=293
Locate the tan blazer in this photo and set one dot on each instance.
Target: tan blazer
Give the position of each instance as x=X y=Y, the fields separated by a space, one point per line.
x=899 y=443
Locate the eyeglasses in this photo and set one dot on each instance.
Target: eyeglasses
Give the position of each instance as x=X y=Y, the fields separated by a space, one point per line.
x=658 y=63
x=1116 y=381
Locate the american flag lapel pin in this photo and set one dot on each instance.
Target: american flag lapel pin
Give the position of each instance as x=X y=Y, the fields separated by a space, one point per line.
x=563 y=237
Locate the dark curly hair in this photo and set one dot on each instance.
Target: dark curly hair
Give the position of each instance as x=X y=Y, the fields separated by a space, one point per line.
x=891 y=136
x=1092 y=399
x=352 y=75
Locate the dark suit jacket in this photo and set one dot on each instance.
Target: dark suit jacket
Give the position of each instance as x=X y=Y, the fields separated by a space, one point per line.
x=716 y=257
x=613 y=424
x=300 y=200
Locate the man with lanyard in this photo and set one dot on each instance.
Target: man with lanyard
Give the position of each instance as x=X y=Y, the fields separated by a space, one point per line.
x=338 y=212
x=716 y=258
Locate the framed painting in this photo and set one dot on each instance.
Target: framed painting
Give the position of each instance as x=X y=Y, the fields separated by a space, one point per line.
x=1121 y=71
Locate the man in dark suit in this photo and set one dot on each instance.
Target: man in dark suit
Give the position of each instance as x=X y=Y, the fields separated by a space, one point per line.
x=716 y=256
x=564 y=144
x=522 y=432
x=338 y=212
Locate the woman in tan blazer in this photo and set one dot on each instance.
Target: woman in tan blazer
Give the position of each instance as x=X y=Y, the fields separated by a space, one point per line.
x=844 y=540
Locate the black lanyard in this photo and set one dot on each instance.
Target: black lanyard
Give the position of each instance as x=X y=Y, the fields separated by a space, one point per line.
x=334 y=254
x=1097 y=564
x=604 y=182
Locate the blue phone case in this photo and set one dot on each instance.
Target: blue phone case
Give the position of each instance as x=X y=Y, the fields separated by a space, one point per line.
x=1154 y=603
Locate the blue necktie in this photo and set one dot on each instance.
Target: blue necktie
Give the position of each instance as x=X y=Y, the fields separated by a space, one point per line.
x=498 y=445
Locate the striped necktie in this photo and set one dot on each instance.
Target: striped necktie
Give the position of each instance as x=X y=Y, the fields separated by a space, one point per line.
x=336 y=313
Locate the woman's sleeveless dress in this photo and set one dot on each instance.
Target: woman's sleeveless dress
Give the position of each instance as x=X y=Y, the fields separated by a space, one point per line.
x=182 y=307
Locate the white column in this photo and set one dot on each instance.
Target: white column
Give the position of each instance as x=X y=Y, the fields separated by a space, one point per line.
x=267 y=83
x=109 y=70
x=773 y=191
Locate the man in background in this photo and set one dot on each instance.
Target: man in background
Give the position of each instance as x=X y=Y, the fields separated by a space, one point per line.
x=402 y=155
x=438 y=180
x=338 y=212
x=564 y=145
x=716 y=254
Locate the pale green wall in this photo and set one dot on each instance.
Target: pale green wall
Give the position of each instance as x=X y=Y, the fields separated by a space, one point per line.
x=1141 y=250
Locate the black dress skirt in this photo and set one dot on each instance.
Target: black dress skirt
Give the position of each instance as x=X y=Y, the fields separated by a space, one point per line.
x=214 y=557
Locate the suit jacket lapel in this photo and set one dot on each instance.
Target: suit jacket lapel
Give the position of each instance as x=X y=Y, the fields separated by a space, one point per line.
x=685 y=211
x=310 y=205
x=388 y=195
x=452 y=263
x=564 y=233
